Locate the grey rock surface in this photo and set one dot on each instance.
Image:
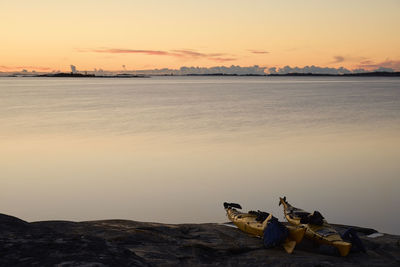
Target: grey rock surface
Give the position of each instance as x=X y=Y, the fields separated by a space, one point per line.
x=131 y=243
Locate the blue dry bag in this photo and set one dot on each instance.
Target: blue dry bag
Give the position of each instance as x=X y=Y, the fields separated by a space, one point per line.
x=275 y=233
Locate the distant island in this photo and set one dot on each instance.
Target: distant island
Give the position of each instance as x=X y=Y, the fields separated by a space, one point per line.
x=81 y=75
x=128 y=75
x=361 y=74
x=210 y=71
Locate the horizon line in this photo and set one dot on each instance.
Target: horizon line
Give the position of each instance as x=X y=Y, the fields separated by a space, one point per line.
x=387 y=66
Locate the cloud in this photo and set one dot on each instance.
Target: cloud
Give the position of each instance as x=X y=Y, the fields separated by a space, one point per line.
x=259 y=52
x=128 y=51
x=180 y=53
x=387 y=64
x=309 y=69
x=219 y=57
x=341 y=58
x=366 y=62
x=232 y=70
x=338 y=59
x=238 y=70
x=191 y=53
x=223 y=59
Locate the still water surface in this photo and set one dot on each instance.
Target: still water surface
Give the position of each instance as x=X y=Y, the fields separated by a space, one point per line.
x=172 y=149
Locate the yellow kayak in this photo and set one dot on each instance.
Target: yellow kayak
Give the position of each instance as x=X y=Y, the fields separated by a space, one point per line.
x=316 y=226
x=249 y=223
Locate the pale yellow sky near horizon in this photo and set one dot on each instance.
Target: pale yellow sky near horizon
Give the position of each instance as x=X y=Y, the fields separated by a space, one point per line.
x=50 y=35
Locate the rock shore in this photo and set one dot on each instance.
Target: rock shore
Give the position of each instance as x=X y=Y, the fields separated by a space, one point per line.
x=132 y=243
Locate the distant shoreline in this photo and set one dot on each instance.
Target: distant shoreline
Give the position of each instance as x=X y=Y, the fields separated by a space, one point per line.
x=81 y=75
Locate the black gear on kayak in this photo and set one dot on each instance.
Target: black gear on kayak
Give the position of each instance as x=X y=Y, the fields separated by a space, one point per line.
x=315 y=218
x=261 y=215
x=275 y=233
x=232 y=205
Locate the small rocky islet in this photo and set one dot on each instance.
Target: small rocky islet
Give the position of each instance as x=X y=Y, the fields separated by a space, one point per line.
x=132 y=243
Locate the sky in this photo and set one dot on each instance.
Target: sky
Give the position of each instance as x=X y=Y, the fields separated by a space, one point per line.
x=50 y=35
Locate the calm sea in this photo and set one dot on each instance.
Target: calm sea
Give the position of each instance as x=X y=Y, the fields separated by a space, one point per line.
x=172 y=149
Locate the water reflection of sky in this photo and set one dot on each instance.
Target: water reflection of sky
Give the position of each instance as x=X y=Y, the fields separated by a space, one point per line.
x=174 y=150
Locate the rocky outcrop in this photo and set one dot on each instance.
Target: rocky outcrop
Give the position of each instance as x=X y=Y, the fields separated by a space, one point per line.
x=131 y=243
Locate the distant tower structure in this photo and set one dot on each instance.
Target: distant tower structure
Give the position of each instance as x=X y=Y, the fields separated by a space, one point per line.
x=124 y=67
x=73 y=69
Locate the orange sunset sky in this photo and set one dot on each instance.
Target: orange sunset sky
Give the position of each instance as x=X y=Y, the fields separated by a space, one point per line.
x=47 y=35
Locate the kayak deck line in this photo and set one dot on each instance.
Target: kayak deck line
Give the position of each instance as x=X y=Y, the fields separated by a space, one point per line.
x=322 y=233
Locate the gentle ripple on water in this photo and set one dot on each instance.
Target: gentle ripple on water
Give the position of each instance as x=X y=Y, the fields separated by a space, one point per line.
x=172 y=149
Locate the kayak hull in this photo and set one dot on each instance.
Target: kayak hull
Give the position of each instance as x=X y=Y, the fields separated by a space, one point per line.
x=321 y=234
x=248 y=224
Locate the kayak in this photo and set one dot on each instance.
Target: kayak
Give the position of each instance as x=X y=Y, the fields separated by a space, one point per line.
x=317 y=228
x=250 y=223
